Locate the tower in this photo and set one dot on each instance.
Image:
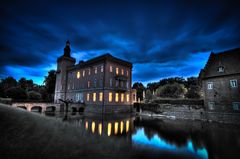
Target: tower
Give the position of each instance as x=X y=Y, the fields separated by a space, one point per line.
x=63 y=63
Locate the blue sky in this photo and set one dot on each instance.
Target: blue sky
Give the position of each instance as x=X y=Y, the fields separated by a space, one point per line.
x=161 y=38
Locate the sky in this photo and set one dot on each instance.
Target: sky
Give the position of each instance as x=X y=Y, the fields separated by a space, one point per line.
x=161 y=38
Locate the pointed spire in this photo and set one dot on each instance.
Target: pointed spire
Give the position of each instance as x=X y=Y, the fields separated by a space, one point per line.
x=67 y=49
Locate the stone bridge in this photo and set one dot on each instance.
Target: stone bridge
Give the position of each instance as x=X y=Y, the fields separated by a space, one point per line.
x=38 y=107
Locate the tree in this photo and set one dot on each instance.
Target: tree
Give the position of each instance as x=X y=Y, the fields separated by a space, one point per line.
x=49 y=82
x=8 y=82
x=140 y=88
x=15 y=93
x=174 y=90
x=193 y=92
x=149 y=95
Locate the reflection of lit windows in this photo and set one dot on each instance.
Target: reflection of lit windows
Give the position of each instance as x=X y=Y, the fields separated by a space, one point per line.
x=100 y=96
x=127 y=98
x=122 y=97
x=86 y=125
x=101 y=68
x=233 y=83
x=122 y=71
x=109 y=129
x=210 y=85
x=116 y=97
x=78 y=75
x=93 y=127
x=127 y=126
x=83 y=74
x=110 y=97
x=88 y=84
x=111 y=69
x=94 y=97
x=88 y=97
x=117 y=70
x=95 y=70
x=121 y=127
x=115 y=128
x=100 y=128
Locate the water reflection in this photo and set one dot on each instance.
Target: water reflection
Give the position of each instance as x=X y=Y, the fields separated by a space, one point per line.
x=149 y=136
x=157 y=142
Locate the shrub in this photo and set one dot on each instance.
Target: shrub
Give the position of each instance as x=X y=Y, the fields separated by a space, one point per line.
x=193 y=92
x=174 y=90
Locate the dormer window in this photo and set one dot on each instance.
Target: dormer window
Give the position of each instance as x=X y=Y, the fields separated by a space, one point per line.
x=220 y=69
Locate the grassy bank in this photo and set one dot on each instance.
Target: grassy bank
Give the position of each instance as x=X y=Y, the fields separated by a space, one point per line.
x=29 y=135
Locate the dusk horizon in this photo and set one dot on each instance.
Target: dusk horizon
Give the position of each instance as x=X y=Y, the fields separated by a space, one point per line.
x=161 y=39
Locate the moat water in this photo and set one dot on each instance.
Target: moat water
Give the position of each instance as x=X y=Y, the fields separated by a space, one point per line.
x=146 y=137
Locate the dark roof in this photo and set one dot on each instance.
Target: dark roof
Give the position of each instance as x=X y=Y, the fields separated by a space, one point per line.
x=229 y=59
x=101 y=58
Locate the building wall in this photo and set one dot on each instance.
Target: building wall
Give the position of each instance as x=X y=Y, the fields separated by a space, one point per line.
x=79 y=82
x=222 y=94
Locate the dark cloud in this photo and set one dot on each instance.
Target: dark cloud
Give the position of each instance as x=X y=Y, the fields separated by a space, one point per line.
x=159 y=37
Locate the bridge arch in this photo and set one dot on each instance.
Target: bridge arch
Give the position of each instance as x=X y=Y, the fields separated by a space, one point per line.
x=50 y=109
x=36 y=109
x=22 y=107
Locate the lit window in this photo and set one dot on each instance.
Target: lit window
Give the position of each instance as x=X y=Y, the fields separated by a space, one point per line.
x=94 y=97
x=110 y=82
x=101 y=68
x=101 y=96
x=110 y=97
x=83 y=74
x=116 y=97
x=210 y=85
x=127 y=73
x=78 y=75
x=115 y=128
x=93 y=127
x=211 y=105
x=89 y=71
x=233 y=83
x=100 y=128
x=117 y=71
x=221 y=69
x=88 y=97
x=236 y=105
x=122 y=97
x=127 y=98
x=109 y=129
x=122 y=71
x=95 y=70
x=111 y=69
x=88 y=84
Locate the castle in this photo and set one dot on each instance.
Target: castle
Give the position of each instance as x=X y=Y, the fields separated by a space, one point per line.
x=101 y=84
